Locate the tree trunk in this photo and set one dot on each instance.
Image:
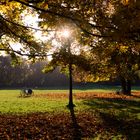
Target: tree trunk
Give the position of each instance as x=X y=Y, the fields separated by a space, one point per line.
x=70 y=105
x=128 y=87
x=123 y=85
x=128 y=83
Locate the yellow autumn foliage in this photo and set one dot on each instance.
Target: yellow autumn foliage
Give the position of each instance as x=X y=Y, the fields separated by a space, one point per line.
x=123 y=49
x=5 y=8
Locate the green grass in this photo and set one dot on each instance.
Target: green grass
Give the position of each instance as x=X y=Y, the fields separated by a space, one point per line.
x=53 y=101
x=10 y=102
x=45 y=101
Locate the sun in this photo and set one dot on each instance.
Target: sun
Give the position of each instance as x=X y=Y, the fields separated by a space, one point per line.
x=66 y=33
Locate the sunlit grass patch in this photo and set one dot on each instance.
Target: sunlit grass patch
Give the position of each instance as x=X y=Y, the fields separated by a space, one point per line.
x=11 y=102
x=56 y=100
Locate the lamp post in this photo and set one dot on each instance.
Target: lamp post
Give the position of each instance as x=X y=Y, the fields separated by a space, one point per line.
x=66 y=35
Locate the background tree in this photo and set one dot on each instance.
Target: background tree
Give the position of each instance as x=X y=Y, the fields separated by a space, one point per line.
x=28 y=74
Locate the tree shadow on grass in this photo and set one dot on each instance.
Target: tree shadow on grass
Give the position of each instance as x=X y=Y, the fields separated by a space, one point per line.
x=77 y=132
x=119 y=104
x=118 y=116
x=129 y=129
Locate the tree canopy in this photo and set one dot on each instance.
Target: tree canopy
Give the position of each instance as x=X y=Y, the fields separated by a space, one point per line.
x=109 y=28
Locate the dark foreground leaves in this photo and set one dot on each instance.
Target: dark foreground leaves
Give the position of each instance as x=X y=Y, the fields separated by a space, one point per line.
x=68 y=125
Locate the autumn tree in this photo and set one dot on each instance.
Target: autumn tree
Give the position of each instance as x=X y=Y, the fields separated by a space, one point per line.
x=15 y=30
x=109 y=28
x=123 y=42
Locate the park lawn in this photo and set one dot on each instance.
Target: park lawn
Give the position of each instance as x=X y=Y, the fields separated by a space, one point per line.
x=11 y=102
x=42 y=101
x=99 y=114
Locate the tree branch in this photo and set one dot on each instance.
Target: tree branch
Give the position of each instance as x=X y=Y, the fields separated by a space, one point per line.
x=28 y=27
x=25 y=54
x=90 y=33
x=62 y=16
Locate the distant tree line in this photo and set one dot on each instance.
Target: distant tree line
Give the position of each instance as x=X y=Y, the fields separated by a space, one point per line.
x=28 y=74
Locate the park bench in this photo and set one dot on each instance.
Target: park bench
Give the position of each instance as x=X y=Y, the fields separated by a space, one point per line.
x=26 y=92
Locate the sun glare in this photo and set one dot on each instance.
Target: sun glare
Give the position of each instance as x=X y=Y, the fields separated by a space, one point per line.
x=65 y=33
